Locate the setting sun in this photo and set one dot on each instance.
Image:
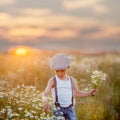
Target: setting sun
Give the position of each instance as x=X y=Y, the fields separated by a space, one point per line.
x=21 y=51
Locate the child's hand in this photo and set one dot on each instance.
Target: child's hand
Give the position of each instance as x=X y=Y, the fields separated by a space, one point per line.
x=46 y=107
x=93 y=92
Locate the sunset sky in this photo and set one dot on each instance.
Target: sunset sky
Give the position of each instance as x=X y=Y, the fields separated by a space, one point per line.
x=60 y=24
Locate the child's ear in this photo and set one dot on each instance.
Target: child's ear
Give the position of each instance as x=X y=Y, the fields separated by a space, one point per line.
x=68 y=67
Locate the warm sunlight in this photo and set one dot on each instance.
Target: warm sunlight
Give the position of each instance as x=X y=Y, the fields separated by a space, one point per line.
x=21 y=51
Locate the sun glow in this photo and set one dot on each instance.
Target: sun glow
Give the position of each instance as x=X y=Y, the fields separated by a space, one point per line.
x=21 y=51
x=24 y=51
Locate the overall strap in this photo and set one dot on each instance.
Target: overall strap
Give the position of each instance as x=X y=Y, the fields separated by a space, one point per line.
x=72 y=89
x=56 y=94
x=57 y=104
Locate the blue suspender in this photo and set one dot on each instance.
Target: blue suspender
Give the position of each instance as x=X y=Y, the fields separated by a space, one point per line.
x=57 y=104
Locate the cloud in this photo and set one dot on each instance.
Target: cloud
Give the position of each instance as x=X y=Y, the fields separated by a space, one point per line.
x=64 y=34
x=5 y=20
x=90 y=30
x=6 y=2
x=24 y=34
x=94 y=5
x=35 y=12
x=35 y=24
x=30 y=34
x=27 y=28
x=110 y=32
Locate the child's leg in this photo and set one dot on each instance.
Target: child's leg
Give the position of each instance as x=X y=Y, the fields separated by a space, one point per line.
x=70 y=113
x=58 y=113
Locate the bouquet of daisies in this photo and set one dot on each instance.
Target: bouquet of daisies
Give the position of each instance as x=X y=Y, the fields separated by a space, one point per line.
x=97 y=77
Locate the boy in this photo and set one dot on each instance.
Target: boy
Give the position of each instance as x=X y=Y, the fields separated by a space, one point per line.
x=63 y=88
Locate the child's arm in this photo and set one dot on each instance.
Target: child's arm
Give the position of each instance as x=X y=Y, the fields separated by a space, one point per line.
x=79 y=93
x=48 y=89
x=46 y=93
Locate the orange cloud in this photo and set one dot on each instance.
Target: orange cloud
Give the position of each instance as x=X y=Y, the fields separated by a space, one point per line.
x=5 y=20
x=44 y=23
x=48 y=21
x=29 y=34
x=35 y=12
x=95 y=5
x=24 y=34
x=64 y=34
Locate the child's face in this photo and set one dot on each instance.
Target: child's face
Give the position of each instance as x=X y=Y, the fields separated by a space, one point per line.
x=61 y=73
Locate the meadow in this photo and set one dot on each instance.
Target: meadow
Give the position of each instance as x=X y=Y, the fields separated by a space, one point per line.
x=23 y=79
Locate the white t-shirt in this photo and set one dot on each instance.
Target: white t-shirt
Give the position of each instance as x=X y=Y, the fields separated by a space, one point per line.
x=64 y=91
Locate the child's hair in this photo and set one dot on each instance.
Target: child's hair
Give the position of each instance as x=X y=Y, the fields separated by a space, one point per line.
x=60 y=61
